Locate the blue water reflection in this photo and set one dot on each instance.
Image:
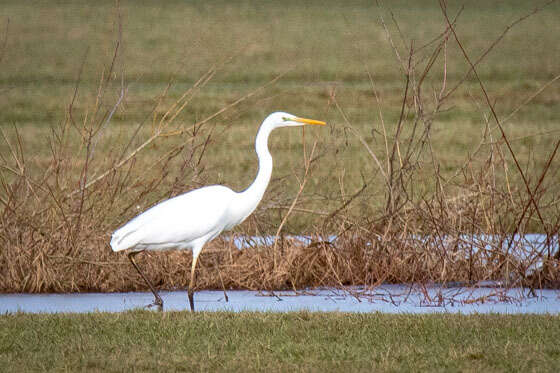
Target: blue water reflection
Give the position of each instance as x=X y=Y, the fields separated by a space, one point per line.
x=386 y=298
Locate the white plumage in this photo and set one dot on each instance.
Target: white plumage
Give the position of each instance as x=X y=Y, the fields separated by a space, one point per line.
x=190 y=220
x=169 y=225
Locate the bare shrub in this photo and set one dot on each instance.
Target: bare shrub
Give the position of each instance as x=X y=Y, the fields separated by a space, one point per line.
x=55 y=225
x=58 y=211
x=473 y=227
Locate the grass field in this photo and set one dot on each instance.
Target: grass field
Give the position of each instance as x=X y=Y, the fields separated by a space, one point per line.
x=325 y=50
x=179 y=341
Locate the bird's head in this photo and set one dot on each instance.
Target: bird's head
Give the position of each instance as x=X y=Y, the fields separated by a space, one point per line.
x=280 y=119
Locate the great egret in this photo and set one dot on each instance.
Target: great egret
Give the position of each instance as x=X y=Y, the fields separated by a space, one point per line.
x=190 y=220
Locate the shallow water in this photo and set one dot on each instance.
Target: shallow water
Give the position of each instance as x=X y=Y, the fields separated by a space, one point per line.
x=386 y=298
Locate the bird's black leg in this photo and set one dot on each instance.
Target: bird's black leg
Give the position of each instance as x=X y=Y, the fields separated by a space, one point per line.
x=158 y=301
x=191 y=285
x=191 y=298
x=223 y=287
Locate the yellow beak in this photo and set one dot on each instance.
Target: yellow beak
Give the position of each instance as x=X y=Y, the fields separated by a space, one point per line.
x=309 y=121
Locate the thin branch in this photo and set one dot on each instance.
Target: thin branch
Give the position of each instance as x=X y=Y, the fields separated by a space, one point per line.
x=491 y=106
x=301 y=187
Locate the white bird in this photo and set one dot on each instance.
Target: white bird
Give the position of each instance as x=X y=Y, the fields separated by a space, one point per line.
x=190 y=220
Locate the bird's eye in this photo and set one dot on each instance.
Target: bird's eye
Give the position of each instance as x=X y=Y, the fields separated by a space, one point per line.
x=285 y=119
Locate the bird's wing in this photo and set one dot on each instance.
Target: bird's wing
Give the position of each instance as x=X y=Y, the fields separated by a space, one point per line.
x=177 y=221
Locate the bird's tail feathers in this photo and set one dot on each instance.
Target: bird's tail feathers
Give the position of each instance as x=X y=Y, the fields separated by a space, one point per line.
x=117 y=242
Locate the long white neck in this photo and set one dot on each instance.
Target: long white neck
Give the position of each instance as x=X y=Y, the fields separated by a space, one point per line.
x=250 y=197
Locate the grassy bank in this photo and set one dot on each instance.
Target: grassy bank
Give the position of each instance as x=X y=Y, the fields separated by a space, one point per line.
x=108 y=109
x=180 y=341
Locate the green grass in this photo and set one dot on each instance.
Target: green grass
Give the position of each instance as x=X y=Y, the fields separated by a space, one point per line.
x=180 y=341
x=324 y=48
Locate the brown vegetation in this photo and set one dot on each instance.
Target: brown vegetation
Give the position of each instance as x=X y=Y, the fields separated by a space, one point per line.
x=55 y=225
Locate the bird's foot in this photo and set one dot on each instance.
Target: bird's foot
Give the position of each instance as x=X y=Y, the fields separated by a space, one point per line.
x=157 y=303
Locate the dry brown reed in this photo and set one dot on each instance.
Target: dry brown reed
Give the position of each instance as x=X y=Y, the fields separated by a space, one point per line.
x=55 y=227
